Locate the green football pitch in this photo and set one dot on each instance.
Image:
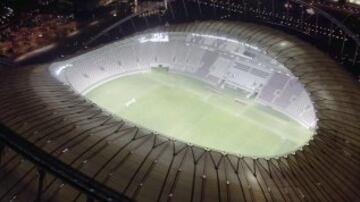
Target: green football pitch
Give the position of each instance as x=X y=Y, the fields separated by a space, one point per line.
x=192 y=111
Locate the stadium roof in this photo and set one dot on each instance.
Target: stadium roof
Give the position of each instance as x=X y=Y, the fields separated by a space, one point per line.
x=150 y=167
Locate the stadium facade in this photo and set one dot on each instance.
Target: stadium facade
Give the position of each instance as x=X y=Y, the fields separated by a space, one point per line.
x=44 y=105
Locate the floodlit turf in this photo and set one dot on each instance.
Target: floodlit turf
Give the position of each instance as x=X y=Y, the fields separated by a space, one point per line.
x=192 y=111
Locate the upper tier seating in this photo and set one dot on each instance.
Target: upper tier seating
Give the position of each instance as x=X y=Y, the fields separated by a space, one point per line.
x=217 y=61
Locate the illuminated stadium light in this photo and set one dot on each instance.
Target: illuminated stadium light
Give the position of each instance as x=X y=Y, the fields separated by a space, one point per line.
x=226 y=39
x=155 y=37
x=59 y=70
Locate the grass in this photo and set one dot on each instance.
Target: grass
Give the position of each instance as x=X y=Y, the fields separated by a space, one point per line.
x=192 y=111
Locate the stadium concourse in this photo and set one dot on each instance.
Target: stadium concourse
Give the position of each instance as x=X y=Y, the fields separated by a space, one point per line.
x=45 y=105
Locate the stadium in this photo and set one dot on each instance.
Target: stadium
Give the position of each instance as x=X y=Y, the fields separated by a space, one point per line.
x=186 y=102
